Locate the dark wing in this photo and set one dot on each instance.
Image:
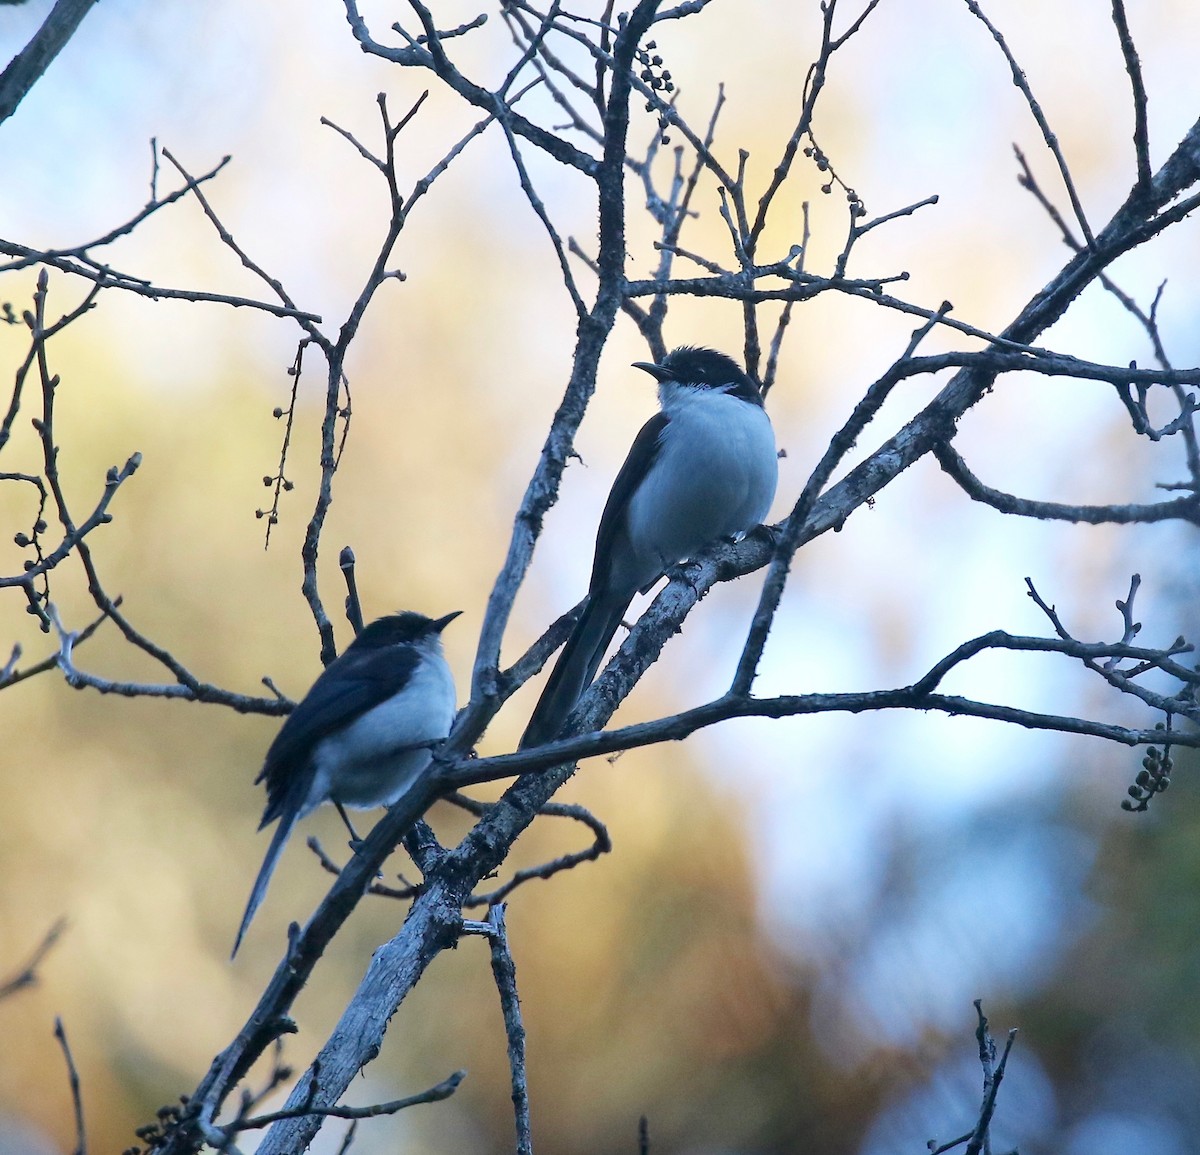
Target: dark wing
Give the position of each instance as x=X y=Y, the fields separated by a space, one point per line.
x=575 y=668
x=346 y=689
x=642 y=455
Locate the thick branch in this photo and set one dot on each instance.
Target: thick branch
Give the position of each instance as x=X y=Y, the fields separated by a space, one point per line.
x=27 y=67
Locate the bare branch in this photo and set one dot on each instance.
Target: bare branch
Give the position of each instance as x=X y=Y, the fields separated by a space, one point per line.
x=10 y=676
x=27 y=976
x=535 y=202
x=673 y=213
x=79 y=262
x=504 y=971
x=27 y=67
x=602 y=844
x=279 y=483
x=228 y=241
x=188 y=688
x=977 y=1138
x=1182 y=703
x=993 y=1073
x=99 y=516
x=858 y=231
x=27 y=257
x=106 y=277
x=429 y=55
x=814 y=82
x=1133 y=65
x=73 y=1078
x=1020 y=80
x=1186 y=508
x=6 y=671
x=788 y=541
x=434 y=1094
x=335 y=352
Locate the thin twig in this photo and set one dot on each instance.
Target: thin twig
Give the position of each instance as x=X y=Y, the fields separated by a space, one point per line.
x=27 y=976
x=789 y=540
x=432 y=57
x=227 y=239
x=601 y=844
x=1022 y=82
x=539 y=209
x=189 y=690
x=1186 y=508
x=993 y=1074
x=434 y=1094
x=504 y=971
x=1133 y=66
x=1148 y=321
x=354 y=614
x=12 y=676
x=279 y=482
x=76 y=1094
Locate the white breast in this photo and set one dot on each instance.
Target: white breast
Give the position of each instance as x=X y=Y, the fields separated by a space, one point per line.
x=714 y=477
x=377 y=757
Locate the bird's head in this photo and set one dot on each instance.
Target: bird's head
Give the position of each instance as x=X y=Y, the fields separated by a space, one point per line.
x=403 y=628
x=694 y=367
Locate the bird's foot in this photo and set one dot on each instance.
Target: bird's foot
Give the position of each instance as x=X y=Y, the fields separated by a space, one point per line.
x=685 y=571
x=773 y=533
x=356 y=844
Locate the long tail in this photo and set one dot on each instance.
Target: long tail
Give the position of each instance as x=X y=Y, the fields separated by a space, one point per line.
x=287 y=820
x=575 y=668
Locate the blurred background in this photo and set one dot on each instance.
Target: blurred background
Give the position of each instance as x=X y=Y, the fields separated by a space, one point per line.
x=781 y=952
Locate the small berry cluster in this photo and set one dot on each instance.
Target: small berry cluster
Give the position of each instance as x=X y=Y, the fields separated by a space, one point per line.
x=1153 y=778
x=281 y=482
x=37 y=598
x=154 y=1135
x=659 y=79
x=24 y=540
x=813 y=150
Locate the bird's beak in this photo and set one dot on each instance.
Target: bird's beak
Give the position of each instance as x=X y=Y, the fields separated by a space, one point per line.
x=441 y=623
x=656 y=371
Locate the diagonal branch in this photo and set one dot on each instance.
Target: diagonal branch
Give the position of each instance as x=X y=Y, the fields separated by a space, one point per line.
x=1133 y=66
x=504 y=971
x=1022 y=82
x=27 y=67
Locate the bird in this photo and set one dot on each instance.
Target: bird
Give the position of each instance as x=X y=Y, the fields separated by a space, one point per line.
x=704 y=467
x=363 y=733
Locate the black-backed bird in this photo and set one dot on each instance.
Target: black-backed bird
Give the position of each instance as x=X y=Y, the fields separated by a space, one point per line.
x=362 y=735
x=704 y=467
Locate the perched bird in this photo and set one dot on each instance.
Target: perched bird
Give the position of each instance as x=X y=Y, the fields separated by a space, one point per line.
x=704 y=467
x=362 y=735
